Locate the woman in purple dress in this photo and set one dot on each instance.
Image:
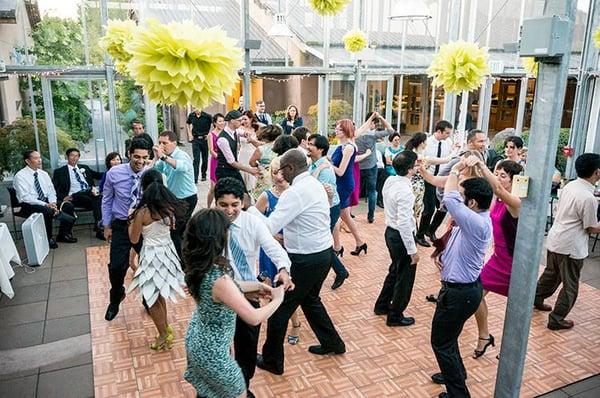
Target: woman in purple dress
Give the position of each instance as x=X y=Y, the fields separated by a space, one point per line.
x=495 y=275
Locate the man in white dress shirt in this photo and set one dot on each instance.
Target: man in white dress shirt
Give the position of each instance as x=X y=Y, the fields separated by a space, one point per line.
x=37 y=195
x=303 y=214
x=399 y=200
x=439 y=145
x=248 y=234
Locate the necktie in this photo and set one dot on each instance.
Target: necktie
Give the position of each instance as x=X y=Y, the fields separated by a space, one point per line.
x=82 y=184
x=439 y=155
x=38 y=188
x=135 y=191
x=239 y=258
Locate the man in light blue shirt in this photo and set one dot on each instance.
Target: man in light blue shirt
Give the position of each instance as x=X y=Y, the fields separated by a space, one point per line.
x=318 y=146
x=177 y=166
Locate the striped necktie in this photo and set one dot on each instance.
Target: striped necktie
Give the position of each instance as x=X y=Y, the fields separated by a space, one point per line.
x=38 y=188
x=239 y=257
x=135 y=191
x=82 y=184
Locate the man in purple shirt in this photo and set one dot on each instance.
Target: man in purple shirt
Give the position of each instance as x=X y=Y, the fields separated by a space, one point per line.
x=122 y=191
x=462 y=260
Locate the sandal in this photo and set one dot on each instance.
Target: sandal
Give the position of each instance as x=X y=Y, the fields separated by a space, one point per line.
x=490 y=342
x=293 y=338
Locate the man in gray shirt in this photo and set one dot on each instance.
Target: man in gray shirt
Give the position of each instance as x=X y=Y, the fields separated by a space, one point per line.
x=366 y=139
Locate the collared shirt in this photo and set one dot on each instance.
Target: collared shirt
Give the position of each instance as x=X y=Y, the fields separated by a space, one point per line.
x=25 y=186
x=116 y=196
x=432 y=149
x=327 y=176
x=264 y=118
x=224 y=146
x=465 y=251
x=577 y=211
x=252 y=234
x=398 y=201
x=180 y=180
x=201 y=123
x=75 y=185
x=366 y=141
x=303 y=214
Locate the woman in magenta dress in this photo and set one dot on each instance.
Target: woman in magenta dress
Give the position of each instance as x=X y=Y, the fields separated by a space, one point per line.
x=219 y=123
x=495 y=275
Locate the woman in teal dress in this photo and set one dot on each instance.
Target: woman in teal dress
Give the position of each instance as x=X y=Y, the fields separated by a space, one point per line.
x=211 y=369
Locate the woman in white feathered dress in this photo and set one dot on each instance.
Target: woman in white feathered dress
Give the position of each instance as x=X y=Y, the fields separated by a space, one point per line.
x=159 y=275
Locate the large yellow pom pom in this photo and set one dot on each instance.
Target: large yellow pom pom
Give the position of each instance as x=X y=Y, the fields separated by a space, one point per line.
x=181 y=63
x=530 y=66
x=597 y=37
x=118 y=33
x=328 y=7
x=355 y=41
x=459 y=66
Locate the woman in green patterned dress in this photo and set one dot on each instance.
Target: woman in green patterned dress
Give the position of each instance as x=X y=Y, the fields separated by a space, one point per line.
x=211 y=369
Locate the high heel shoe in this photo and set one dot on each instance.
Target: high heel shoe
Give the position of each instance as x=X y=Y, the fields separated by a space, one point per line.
x=490 y=342
x=162 y=342
x=359 y=249
x=294 y=336
x=339 y=253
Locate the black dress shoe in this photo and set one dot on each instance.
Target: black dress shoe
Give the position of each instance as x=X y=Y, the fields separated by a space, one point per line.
x=381 y=311
x=52 y=244
x=339 y=280
x=203 y=178
x=371 y=220
x=562 y=324
x=260 y=363
x=443 y=395
x=66 y=239
x=431 y=236
x=100 y=235
x=320 y=350
x=438 y=378
x=422 y=241
x=113 y=309
x=380 y=205
x=404 y=321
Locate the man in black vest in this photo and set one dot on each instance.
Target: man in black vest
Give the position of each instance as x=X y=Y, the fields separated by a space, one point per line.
x=227 y=156
x=74 y=183
x=198 y=127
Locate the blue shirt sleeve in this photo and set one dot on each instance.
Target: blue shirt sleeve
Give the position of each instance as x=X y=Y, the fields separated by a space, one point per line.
x=468 y=221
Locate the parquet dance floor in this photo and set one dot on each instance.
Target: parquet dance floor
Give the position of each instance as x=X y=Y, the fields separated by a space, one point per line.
x=380 y=361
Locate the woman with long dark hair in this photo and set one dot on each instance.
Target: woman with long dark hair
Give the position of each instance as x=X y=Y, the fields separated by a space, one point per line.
x=219 y=124
x=159 y=275
x=211 y=369
x=292 y=120
x=112 y=159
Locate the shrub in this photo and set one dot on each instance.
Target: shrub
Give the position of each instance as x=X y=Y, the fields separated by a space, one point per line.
x=563 y=140
x=19 y=137
x=338 y=109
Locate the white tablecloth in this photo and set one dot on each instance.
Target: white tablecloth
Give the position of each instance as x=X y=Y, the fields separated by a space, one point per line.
x=8 y=253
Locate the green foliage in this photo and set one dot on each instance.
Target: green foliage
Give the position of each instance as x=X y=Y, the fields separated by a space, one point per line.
x=338 y=109
x=58 y=41
x=130 y=103
x=19 y=137
x=278 y=116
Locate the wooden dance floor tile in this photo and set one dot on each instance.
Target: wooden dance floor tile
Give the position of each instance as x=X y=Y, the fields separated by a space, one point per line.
x=380 y=361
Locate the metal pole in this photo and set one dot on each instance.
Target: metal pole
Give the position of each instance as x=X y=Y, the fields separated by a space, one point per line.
x=545 y=124
x=245 y=37
x=464 y=105
x=86 y=53
x=401 y=83
x=323 y=100
x=103 y=122
x=437 y=45
x=485 y=94
x=521 y=106
x=36 y=132
x=50 y=123
x=112 y=107
x=581 y=116
x=389 y=98
x=453 y=34
x=357 y=108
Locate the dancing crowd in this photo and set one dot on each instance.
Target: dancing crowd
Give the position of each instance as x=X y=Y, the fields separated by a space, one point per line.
x=278 y=200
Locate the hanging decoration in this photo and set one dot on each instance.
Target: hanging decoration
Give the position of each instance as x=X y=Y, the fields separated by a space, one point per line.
x=530 y=66
x=597 y=37
x=459 y=66
x=355 y=41
x=328 y=7
x=181 y=63
x=118 y=33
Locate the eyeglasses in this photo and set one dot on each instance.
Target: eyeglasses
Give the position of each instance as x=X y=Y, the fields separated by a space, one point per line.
x=284 y=166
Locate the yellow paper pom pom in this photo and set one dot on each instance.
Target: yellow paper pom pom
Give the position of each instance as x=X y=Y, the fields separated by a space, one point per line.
x=355 y=41
x=597 y=37
x=118 y=33
x=530 y=66
x=181 y=63
x=328 y=7
x=459 y=66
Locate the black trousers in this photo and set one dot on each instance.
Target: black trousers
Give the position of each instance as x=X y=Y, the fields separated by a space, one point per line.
x=120 y=245
x=245 y=344
x=64 y=229
x=382 y=175
x=455 y=304
x=200 y=148
x=87 y=200
x=181 y=222
x=308 y=272
x=398 y=284
x=430 y=203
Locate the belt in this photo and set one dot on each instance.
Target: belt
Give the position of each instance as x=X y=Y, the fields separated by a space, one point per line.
x=461 y=285
x=201 y=137
x=119 y=222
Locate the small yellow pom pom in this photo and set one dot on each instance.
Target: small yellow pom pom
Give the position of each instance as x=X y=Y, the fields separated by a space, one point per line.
x=355 y=41
x=597 y=37
x=530 y=66
x=118 y=33
x=328 y=7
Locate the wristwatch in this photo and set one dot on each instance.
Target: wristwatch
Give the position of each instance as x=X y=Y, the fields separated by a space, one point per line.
x=164 y=157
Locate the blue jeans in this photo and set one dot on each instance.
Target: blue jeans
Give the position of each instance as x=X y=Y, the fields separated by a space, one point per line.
x=334 y=215
x=369 y=176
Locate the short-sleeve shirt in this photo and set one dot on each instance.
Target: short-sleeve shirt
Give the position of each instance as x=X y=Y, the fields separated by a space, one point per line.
x=200 y=123
x=577 y=211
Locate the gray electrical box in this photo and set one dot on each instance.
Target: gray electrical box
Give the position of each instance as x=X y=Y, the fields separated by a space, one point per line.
x=544 y=37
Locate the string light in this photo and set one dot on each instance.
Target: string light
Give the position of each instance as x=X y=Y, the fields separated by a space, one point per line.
x=280 y=80
x=52 y=73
